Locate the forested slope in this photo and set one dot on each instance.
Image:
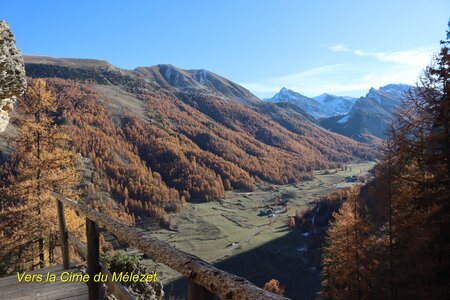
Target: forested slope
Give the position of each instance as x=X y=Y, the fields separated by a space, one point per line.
x=158 y=143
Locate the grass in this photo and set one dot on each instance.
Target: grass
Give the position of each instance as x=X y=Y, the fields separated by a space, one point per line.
x=216 y=231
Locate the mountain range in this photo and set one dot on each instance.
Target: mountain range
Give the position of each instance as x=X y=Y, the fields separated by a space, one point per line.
x=363 y=119
x=325 y=105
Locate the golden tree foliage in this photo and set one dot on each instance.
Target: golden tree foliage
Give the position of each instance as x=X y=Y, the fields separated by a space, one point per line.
x=291 y=222
x=114 y=162
x=43 y=162
x=274 y=286
x=190 y=147
x=345 y=259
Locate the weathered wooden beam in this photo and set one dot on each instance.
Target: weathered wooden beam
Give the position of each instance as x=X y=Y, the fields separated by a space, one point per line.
x=63 y=235
x=218 y=282
x=197 y=292
x=93 y=258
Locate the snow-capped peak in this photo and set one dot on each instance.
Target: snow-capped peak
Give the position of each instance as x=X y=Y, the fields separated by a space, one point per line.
x=387 y=92
x=325 y=105
x=286 y=94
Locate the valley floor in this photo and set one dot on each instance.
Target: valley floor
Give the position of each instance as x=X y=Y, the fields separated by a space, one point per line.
x=221 y=232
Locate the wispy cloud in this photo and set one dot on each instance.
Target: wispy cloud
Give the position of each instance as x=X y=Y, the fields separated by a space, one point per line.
x=339 y=48
x=353 y=79
x=312 y=72
x=412 y=57
x=344 y=79
x=415 y=57
x=307 y=81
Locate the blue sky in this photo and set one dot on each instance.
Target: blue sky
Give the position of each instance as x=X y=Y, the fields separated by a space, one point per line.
x=341 y=47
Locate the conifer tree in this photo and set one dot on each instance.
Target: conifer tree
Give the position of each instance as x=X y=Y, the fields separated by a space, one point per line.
x=43 y=162
x=345 y=258
x=412 y=187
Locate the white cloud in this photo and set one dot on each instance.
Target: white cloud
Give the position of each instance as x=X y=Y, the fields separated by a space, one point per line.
x=310 y=74
x=413 y=57
x=352 y=79
x=304 y=81
x=339 y=48
x=341 y=79
x=361 y=53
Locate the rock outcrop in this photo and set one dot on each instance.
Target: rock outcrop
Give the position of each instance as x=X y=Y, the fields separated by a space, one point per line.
x=12 y=74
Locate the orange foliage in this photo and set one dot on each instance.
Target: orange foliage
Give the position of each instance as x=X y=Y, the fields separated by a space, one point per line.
x=274 y=286
x=187 y=147
x=291 y=222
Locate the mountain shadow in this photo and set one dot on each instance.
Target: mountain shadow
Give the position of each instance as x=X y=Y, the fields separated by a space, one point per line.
x=282 y=259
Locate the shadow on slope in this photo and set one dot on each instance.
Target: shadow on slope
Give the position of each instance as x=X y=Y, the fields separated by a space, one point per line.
x=281 y=259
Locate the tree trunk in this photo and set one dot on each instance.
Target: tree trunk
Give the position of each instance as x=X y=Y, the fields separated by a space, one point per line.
x=357 y=263
x=41 y=253
x=391 y=285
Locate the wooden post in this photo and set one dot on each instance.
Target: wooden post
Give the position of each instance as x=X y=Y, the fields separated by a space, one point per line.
x=197 y=292
x=93 y=258
x=115 y=287
x=63 y=236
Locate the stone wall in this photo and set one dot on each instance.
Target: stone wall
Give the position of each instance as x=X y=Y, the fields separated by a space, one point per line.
x=12 y=74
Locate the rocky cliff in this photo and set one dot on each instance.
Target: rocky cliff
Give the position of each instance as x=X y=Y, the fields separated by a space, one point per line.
x=12 y=74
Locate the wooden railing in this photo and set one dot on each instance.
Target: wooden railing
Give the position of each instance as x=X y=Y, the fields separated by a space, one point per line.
x=204 y=281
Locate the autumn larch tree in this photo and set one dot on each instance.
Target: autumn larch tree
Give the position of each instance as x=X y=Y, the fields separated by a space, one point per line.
x=43 y=162
x=408 y=201
x=345 y=259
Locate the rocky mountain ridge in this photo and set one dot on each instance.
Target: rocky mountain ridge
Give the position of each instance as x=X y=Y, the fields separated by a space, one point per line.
x=370 y=116
x=325 y=105
x=363 y=119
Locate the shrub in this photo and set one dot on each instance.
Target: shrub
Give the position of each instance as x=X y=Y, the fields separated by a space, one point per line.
x=274 y=286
